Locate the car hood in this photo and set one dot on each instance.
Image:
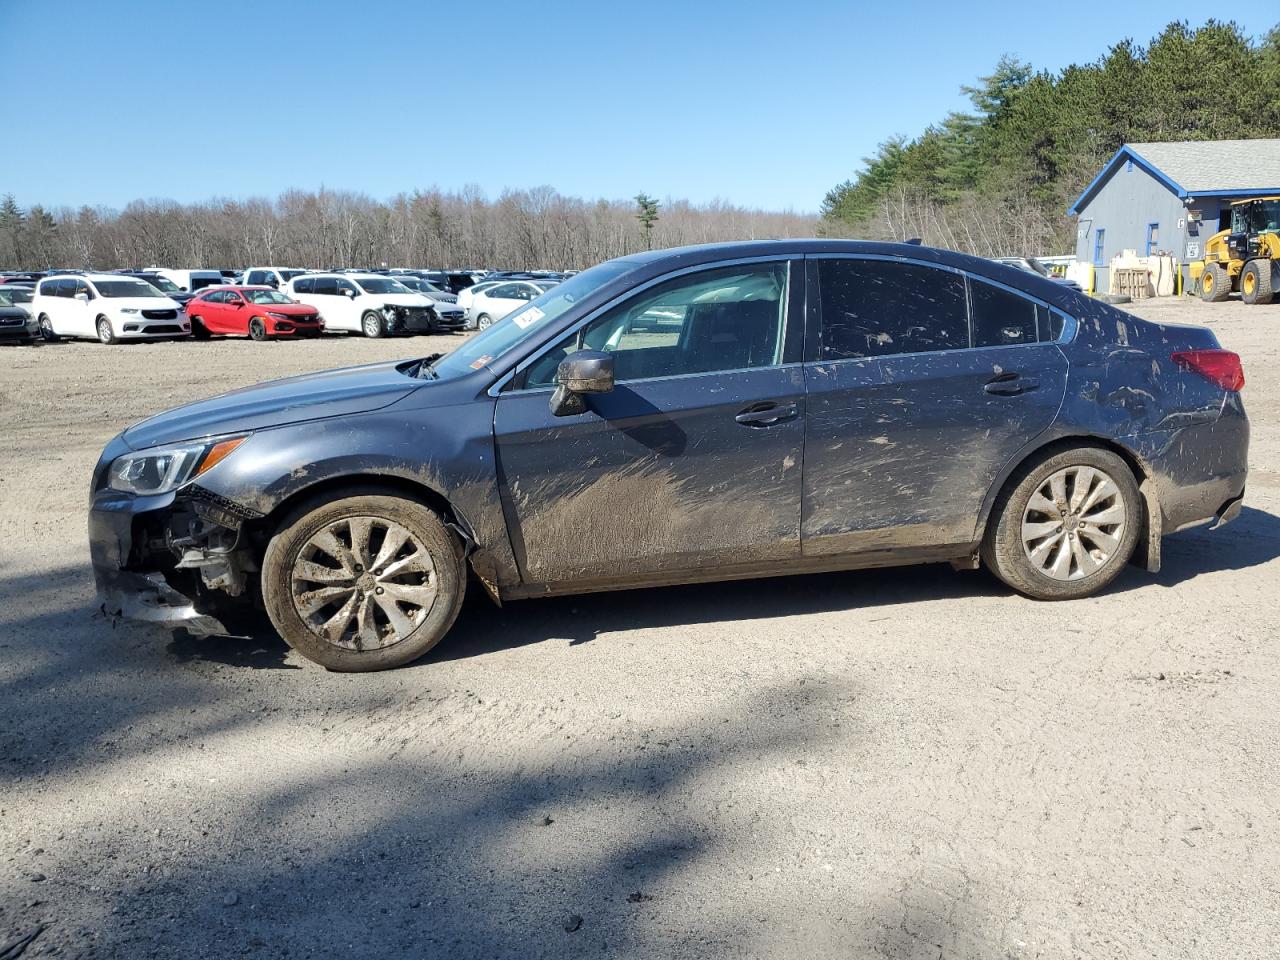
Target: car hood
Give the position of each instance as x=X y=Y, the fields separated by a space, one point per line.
x=141 y=303
x=402 y=299
x=313 y=396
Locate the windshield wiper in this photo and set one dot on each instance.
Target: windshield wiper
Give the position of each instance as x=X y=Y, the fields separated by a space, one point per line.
x=425 y=371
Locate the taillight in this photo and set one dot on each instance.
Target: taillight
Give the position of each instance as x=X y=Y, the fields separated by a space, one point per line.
x=1221 y=366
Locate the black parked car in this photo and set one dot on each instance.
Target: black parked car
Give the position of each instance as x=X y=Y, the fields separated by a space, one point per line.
x=163 y=284
x=16 y=320
x=725 y=411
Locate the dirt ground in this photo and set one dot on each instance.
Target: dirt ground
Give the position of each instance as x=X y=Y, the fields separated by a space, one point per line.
x=907 y=763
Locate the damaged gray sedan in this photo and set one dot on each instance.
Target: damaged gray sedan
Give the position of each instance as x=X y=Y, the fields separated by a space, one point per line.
x=705 y=413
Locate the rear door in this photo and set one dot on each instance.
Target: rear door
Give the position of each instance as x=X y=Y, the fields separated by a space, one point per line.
x=691 y=463
x=915 y=407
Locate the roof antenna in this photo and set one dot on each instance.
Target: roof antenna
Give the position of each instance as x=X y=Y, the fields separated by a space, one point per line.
x=915 y=241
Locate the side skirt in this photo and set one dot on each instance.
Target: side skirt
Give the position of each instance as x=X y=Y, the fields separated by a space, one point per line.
x=959 y=555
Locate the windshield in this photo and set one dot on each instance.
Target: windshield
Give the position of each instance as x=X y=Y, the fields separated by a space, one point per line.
x=485 y=347
x=163 y=284
x=287 y=275
x=266 y=296
x=382 y=285
x=15 y=295
x=126 y=288
x=422 y=286
x=1039 y=267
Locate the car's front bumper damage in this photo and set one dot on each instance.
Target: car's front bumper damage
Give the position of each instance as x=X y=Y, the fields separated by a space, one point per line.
x=171 y=560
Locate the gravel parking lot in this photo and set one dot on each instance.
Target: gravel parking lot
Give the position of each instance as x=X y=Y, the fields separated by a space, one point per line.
x=905 y=763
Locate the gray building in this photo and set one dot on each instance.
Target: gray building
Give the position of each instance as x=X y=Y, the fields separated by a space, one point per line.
x=1169 y=198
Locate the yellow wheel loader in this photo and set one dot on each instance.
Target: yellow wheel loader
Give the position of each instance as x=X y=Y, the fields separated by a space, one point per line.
x=1246 y=256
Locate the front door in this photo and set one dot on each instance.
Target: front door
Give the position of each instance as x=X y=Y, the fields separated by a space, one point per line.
x=691 y=463
x=916 y=403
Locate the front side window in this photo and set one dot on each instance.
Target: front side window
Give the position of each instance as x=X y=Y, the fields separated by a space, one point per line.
x=875 y=308
x=730 y=318
x=346 y=286
x=306 y=285
x=325 y=286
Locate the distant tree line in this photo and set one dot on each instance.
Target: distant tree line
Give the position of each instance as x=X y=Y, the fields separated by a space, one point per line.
x=522 y=229
x=999 y=179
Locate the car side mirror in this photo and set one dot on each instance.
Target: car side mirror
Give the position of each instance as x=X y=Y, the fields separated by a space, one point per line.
x=579 y=374
x=350 y=293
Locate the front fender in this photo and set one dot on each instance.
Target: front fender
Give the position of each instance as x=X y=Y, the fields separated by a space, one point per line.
x=445 y=449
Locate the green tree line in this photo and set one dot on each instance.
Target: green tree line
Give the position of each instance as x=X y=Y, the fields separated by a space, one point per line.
x=999 y=178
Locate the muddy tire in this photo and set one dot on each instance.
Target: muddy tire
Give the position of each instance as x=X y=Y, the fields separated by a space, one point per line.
x=1065 y=526
x=198 y=330
x=372 y=325
x=105 y=333
x=1215 y=284
x=364 y=582
x=1256 y=282
x=46 y=329
x=257 y=329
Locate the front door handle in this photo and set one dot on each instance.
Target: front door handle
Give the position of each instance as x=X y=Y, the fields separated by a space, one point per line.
x=1010 y=385
x=766 y=413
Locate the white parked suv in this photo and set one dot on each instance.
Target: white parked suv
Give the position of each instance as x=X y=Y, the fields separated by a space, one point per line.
x=189 y=281
x=491 y=304
x=106 y=306
x=270 y=276
x=365 y=303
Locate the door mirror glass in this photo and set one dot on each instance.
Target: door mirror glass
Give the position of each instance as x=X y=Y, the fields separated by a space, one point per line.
x=581 y=373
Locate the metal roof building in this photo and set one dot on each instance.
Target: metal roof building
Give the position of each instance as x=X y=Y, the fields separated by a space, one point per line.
x=1169 y=197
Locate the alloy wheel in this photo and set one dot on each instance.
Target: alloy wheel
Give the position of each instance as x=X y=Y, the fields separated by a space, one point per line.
x=363 y=583
x=1074 y=523
x=104 y=330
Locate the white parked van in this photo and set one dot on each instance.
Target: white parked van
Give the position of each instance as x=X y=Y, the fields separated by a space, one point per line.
x=270 y=276
x=107 y=306
x=367 y=303
x=189 y=281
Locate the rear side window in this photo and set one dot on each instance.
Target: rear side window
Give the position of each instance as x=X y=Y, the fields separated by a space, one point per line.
x=875 y=308
x=306 y=285
x=66 y=288
x=325 y=286
x=1001 y=318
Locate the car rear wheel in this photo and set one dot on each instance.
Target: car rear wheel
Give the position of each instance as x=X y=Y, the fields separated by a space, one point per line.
x=372 y=324
x=1255 y=282
x=198 y=330
x=484 y=322
x=105 y=333
x=46 y=329
x=1215 y=284
x=257 y=329
x=1065 y=527
x=365 y=582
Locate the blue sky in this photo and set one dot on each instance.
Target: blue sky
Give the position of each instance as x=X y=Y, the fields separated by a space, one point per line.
x=759 y=104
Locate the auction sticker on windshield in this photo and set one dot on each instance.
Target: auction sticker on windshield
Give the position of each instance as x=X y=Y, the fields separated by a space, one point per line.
x=480 y=362
x=528 y=317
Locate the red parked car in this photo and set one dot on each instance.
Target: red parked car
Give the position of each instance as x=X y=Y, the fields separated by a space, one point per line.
x=257 y=312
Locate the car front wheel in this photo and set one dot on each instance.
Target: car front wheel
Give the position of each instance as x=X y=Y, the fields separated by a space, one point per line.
x=105 y=333
x=373 y=325
x=1065 y=527
x=46 y=329
x=365 y=582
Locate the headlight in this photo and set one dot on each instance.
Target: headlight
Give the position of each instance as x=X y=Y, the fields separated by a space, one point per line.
x=277 y=316
x=128 y=309
x=388 y=311
x=161 y=469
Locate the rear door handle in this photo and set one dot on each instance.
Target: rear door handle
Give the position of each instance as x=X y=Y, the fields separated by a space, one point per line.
x=1010 y=385
x=766 y=413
